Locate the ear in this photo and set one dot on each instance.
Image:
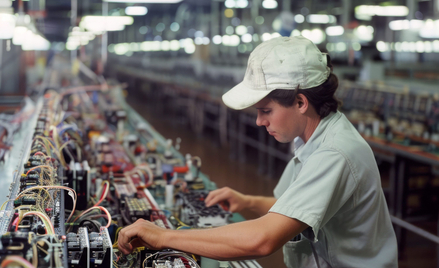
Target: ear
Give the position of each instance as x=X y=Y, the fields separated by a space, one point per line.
x=302 y=103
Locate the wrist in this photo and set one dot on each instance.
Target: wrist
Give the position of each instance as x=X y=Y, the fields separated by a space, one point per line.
x=249 y=202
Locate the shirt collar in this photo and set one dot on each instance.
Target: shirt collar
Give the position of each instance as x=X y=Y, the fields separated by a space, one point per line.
x=304 y=150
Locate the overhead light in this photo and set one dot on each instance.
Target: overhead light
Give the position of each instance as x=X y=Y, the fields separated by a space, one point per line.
x=299 y=18
x=430 y=29
x=316 y=36
x=322 y=19
x=382 y=46
x=364 y=33
x=398 y=25
x=335 y=30
x=136 y=11
x=99 y=24
x=369 y=11
x=7 y=22
x=145 y=1
x=269 y=4
x=246 y=38
x=19 y=35
x=236 y=3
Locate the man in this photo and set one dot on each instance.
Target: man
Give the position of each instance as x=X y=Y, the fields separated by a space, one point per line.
x=329 y=193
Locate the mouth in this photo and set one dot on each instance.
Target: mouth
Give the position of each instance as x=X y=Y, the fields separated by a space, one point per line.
x=271 y=133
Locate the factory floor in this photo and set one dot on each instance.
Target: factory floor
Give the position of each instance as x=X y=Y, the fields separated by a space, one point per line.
x=244 y=177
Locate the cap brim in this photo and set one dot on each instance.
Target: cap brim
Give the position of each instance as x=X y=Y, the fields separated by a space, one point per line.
x=241 y=96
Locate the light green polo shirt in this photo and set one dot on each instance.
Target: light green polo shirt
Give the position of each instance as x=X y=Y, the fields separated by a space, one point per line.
x=333 y=185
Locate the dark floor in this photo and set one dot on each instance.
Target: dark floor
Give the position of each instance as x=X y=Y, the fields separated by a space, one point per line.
x=245 y=178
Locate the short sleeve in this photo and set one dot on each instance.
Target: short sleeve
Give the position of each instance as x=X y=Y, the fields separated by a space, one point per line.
x=323 y=185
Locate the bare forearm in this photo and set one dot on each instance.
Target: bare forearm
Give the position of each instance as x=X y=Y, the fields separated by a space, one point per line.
x=232 y=242
x=260 y=204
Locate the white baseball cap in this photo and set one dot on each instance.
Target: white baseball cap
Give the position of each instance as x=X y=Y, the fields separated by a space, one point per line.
x=280 y=63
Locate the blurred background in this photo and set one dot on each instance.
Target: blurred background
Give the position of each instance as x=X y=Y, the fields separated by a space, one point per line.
x=176 y=58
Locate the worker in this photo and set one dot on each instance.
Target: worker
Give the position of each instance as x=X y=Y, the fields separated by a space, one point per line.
x=328 y=208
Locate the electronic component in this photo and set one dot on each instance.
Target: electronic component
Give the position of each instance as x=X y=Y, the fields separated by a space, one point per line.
x=194 y=212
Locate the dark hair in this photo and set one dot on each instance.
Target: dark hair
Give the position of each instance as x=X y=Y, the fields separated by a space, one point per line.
x=320 y=97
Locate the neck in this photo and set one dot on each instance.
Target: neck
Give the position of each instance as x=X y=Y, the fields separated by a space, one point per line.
x=311 y=125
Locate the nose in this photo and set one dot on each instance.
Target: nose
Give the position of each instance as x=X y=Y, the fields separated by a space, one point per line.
x=260 y=121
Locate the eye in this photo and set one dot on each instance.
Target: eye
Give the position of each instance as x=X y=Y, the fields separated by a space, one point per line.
x=265 y=111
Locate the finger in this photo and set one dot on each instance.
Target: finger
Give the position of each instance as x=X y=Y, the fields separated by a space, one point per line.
x=217 y=198
x=125 y=236
x=137 y=243
x=211 y=195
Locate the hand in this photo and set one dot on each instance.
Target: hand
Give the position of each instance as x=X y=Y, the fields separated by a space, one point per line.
x=236 y=200
x=142 y=233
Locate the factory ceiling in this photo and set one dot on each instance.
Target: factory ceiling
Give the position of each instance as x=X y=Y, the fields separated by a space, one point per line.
x=53 y=18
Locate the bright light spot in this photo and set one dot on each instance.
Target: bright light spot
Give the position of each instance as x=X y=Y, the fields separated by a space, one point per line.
x=259 y=20
x=189 y=48
x=134 y=47
x=430 y=29
x=365 y=10
x=229 y=30
x=412 y=47
x=236 y=3
x=381 y=46
x=340 y=46
x=228 y=13
x=174 y=45
x=241 y=3
x=356 y=46
x=295 y=32
x=121 y=49
x=398 y=25
x=299 y=18
x=306 y=33
x=364 y=33
x=321 y=19
x=226 y=40
x=275 y=35
x=317 y=36
x=335 y=30
x=420 y=48
x=266 y=37
x=269 y=4
x=7 y=22
x=136 y=11
x=428 y=47
x=198 y=40
x=229 y=3
x=165 y=46
x=398 y=46
x=235 y=40
x=99 y=24
x=241 y=30
x=246 y=38
x=19 y=35
x=174 y=26
x=217 y=39
x=145 y=46
x=111 y=48
x=206 y=40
